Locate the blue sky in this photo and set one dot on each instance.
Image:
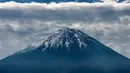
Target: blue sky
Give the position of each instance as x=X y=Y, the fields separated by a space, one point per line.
x=24 y=23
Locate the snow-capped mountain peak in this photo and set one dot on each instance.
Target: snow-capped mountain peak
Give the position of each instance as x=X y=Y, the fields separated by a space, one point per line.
x=66 y=40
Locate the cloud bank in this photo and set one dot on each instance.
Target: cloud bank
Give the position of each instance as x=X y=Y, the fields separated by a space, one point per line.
x=24 y=23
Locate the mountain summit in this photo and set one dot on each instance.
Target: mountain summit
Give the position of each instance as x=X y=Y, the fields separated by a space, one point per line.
x=66 y=51
x=66 y=40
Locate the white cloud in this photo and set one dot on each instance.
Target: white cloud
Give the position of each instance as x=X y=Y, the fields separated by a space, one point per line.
x=24 y=23
x=109 y=0
x=126 y=1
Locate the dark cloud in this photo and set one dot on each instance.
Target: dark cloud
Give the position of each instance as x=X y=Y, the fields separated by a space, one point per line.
x=70 y=11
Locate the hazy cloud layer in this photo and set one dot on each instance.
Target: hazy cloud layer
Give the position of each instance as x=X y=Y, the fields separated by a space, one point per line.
x=24 y=23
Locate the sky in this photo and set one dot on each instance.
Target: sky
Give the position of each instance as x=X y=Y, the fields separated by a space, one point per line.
x=22 y=24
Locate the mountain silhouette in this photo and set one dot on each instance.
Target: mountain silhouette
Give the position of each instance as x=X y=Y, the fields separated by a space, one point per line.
x=66 y=51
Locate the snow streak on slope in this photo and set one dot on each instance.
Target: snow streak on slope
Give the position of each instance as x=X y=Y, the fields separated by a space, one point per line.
x=24 y=23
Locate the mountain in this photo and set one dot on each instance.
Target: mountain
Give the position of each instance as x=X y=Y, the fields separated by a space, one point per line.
x=66 y=51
